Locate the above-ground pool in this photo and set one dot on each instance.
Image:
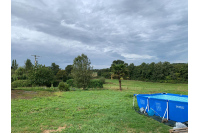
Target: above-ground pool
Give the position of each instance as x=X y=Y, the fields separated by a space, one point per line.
x=171 y=106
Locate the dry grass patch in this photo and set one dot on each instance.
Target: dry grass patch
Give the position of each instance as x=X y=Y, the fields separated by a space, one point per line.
x=57 y=130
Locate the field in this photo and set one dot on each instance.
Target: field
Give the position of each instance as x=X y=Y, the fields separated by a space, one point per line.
x=104 y=110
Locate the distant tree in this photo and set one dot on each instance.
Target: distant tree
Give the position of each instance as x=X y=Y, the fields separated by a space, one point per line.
x=55 y=68
x=20 y=73
x=61 y=75
x=131 y=68
x=41 y=75
x=14 y=64
x=119 y=68
x=28 y=65
x=81 y=71
x=68 y=70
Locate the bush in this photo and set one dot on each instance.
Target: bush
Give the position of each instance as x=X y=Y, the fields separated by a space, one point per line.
x=95 y=83
x=56 y=83
x=20 y=83
x=63 y=86
x=102 y=79
x=70 y=82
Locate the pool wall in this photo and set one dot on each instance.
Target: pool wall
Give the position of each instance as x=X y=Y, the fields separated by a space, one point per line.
x=170 y=109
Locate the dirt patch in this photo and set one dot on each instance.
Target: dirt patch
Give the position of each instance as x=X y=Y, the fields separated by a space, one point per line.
x=22 y=94
x=19 y=94
x=58 y=130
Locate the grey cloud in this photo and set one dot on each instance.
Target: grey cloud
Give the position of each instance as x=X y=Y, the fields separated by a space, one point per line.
x=104 y=30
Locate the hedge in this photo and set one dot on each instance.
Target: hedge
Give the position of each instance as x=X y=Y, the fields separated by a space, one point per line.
x=20 y=83
x=95 y=83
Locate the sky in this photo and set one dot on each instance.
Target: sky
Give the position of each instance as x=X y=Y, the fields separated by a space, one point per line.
x=134 y=31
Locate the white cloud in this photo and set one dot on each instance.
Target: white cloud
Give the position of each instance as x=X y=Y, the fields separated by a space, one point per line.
x=136 y=56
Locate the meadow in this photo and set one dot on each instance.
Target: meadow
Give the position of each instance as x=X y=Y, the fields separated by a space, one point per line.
x=106 y=110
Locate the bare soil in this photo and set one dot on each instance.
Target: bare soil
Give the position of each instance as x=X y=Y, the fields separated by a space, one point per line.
x=22 y=94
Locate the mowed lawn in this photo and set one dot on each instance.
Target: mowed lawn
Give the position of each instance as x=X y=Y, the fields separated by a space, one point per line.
x=100 y=111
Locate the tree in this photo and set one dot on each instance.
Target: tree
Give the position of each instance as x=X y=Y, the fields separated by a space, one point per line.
x=20 y=73
x=131 y=68
x=41 y=75
x=68 y=70
x=55 y=68
x=14 y=64
x=118 y=67
x=61 y=75
x=28 y=65
x=81 y=71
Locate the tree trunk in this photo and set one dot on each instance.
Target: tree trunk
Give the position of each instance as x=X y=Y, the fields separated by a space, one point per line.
x=120 y=84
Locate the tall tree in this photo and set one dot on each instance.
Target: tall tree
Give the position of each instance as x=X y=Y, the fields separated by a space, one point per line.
x=28 y=65
x=81 y=71
x=14 y=64
x=119 y=68
x=55 y=68
x=131 y=68
x=61 y=75
x=68 y=68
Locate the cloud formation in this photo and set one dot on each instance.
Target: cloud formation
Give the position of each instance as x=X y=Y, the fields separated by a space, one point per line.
x=133 y=31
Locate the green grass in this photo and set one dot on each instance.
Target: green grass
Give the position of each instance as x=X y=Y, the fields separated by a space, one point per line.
x=100 y=111
x=140 y=87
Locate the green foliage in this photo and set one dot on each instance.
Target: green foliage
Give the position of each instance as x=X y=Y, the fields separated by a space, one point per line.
x=56 y=83
x=68 y=69
x=55 y=68
x=156 y=72
x=61 y=75
x=14 y=64
x=119 y=68
x=20 y=74
x=81 y=71
x=41 y=75
x=103 y=73
x=102 y=79
x=70 y=82
x=28 y=66
x=63 y=86
x=95 y=83
x=20 y=83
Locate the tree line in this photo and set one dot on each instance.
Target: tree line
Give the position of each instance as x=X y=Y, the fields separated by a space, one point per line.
x=154 y=72
x=40 y=74
x=81 y=72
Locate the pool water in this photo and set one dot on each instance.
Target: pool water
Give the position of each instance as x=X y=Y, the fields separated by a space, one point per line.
x=169 y=97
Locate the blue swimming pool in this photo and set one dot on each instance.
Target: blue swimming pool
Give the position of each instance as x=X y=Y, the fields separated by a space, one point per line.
x=171 y=106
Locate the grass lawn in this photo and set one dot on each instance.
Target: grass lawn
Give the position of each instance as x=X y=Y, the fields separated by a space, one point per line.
x=106 y=111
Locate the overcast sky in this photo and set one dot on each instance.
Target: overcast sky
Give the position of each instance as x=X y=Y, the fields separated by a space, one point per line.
x=134 y=31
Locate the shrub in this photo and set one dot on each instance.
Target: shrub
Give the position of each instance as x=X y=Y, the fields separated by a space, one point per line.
x=95 y=83
x=56 y=83
x=102 y=79
x=63 y=86
x=20 y=83
x=70 y=82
